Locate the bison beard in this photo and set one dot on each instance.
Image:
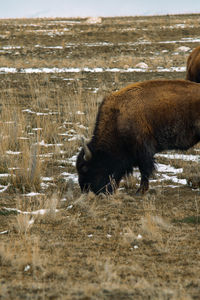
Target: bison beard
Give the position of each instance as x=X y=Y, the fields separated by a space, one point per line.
x=132 y=125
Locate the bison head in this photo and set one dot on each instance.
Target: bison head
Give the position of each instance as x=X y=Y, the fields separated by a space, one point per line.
x=95 y=171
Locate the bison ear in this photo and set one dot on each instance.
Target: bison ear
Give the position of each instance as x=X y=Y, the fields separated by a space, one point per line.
x=87 y=152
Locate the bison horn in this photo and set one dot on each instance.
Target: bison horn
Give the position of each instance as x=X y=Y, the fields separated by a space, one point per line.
x=88 y=154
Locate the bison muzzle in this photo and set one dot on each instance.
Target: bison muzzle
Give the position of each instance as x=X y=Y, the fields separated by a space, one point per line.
x=132 y=125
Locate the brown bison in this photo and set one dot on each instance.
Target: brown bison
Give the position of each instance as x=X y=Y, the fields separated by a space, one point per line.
x=193 y=66
x=132 y=125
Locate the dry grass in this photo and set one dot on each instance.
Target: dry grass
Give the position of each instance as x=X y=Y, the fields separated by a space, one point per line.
x=29 y=134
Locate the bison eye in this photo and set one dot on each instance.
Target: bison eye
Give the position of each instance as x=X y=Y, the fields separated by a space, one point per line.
x=84 y=169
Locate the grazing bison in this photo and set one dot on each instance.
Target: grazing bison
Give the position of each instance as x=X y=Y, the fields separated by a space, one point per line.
x=132 y=125
x=193 y=66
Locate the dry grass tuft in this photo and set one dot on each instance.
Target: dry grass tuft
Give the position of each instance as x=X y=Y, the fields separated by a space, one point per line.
x=129 y=237
x=107 y=273
x=130 y=184
x=152 y=223
x=22 y=255
x=23 y=223
x=27 y=176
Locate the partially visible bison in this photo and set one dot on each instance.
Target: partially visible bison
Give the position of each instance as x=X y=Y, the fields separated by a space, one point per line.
x=193 y=66
x=132 y=125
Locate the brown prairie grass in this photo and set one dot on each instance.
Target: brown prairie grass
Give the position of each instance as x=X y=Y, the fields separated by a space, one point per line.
x=46 y=126
x=22 y=254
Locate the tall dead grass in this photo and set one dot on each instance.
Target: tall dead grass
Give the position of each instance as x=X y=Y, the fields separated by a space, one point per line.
x=42 y=131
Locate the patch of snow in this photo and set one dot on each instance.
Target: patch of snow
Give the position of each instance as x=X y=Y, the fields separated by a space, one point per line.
x=162 y=168
x=27 y=268
x=95 y=90
x=11 y=47
x=39 y=113
x=81 y=126
x=174 y=179
x=46 y=155
x=167 y=172
x=142 y=65
x=49 y=47
x=28 y=111
x=36 y=212
x=4 y=175
x=74 y=138
x=139 y=236
x=192 y=40
x=86 y=69
x=32 y=194
x=4 y=232
x=185 y=157
x=73 y=177
x=183 y=49
x=13 y=152
x=98 y=44
x=47 y=178
x=31 y=222
x=45 y=186
x=3 y=188
x=36 y=129
x=73 y=159
x=70 y=206
x=23 y=138
x=80 y=112
x=94 y=20
x=4 y=70
x=179 y=26
x=171 y=69
x=42 y=143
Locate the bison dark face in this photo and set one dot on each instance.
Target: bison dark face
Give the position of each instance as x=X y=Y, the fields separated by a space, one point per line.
x=95 y=172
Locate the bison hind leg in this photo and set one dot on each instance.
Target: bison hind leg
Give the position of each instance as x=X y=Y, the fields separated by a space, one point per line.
x=146 y=166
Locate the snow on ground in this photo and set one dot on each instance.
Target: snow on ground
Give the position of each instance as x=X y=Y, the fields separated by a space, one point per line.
x=162 y=168
x=42 y=143
x=4 y=70
x=183 y=49
x=102 y=44
x=68 y=176
x=3 y=188
x=36 y=212
x=4 y=232
x=185 y=157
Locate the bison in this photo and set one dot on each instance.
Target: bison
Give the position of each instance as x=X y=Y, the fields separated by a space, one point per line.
x=193 y=66
x=132 y=125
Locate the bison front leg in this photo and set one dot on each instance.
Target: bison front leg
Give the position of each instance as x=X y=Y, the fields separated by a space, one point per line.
x=146 y=167
x=144 y=186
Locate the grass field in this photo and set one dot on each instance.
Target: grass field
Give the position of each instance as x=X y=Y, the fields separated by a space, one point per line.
x=54 y=242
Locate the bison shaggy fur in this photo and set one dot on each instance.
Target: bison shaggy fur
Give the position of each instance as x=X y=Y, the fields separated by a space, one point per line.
x=193 y=66
x=132 y=125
